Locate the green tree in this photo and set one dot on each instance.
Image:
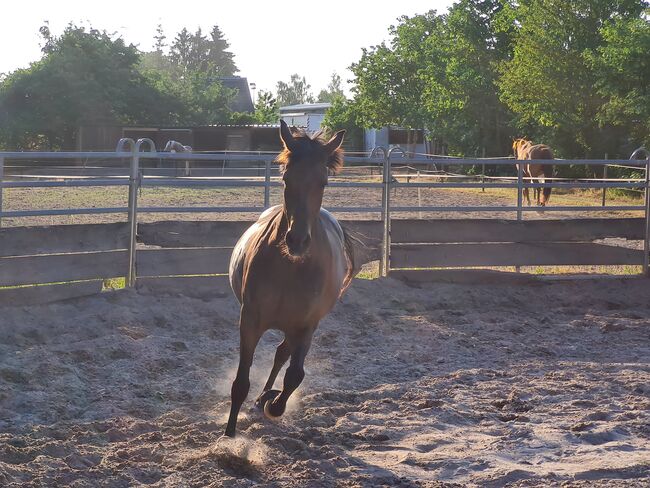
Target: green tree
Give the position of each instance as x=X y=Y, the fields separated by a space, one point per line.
x=196 y=52
x=333 y=90
x=295 y=92
x=84 y=77
x=266 y=108
x=461 y=97
x=622 y=68
x=343 y=115
x=549 y=83
x=438 y=72
x=220 y=59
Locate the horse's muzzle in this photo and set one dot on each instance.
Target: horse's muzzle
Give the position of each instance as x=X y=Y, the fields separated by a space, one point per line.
x=297 y=243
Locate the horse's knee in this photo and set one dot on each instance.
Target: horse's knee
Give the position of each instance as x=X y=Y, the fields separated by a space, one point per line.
x=240 y=388
x=294 y=376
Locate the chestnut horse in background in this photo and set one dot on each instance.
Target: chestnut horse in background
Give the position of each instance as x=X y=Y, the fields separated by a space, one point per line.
x=289 y=268
x=524 y=149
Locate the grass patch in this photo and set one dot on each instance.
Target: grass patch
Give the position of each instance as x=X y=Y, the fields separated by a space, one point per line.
x=111 y=284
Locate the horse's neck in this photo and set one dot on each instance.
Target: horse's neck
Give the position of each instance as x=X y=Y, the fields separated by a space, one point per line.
x=282 y=226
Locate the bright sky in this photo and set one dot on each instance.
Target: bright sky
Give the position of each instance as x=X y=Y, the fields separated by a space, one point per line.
x=270 y=39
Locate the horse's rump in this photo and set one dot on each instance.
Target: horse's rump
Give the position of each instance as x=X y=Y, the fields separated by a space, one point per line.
x=539 y=151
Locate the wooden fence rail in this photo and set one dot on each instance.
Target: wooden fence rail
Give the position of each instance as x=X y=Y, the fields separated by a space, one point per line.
x=71 y=260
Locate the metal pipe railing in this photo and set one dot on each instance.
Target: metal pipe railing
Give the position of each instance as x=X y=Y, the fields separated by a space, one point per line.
x=127 y=149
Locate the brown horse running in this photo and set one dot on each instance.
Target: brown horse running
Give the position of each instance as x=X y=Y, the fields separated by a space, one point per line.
x=524 y=149
x=289 y=268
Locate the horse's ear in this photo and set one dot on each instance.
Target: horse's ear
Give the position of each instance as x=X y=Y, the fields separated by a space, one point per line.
x=286 y=136
x=335 y=142
x=334 y=152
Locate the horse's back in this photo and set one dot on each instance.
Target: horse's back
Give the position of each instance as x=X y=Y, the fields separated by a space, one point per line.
x=540 y=151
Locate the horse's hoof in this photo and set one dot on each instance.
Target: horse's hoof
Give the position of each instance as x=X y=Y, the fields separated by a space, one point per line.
x=267 y=396
x=267 y=411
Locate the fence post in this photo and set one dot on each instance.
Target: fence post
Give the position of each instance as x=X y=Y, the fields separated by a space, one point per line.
x=646 y=241
x=604 y=178
x=385 y=217
x=520 y=181
x=483 y=170
x=2 y=175
x=267 y=184
x=134 y=181
x=419 y=197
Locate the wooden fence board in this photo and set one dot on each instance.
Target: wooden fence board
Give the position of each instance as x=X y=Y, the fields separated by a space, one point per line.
x=202 y=233
x=24 y=241
x=171 y=262
x=463 y=276
x=226 y=233
x=34 y=295
x=511 y=254
x=53 y=268
x=195 y=286
x=493 y=230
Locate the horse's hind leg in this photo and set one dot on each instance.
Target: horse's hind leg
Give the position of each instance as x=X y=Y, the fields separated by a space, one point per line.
x=282 y=353
x=249 y=336
x=293 y=377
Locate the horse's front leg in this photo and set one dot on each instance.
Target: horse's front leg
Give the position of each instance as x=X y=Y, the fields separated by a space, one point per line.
x=249 y=336
x=282 y=354
x=294 y=375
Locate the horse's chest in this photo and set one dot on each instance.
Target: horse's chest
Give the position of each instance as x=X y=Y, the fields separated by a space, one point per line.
x=300 y=291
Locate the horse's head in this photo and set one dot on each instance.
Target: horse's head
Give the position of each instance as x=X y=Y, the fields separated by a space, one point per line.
x=518 y=146
x=305 y=162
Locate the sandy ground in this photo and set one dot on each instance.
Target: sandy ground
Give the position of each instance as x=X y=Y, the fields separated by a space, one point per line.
x=435 y=385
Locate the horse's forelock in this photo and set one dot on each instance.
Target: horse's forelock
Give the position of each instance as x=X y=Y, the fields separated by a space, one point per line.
x=304 y=142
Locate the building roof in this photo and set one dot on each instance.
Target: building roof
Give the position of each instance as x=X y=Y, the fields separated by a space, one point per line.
x=306 y=107
x=242 y=101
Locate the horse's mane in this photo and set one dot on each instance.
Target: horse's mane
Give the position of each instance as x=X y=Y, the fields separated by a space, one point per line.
x=306 y=143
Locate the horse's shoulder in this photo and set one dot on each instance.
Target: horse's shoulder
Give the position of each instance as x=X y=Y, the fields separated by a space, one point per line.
x=330 y=223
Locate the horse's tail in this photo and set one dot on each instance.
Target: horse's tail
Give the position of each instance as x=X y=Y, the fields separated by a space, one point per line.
x=349 y=242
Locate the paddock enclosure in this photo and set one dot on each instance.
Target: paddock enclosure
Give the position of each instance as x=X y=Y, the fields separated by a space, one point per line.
x=466 y=362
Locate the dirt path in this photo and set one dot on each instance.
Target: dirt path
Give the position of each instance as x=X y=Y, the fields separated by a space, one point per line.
x=431 y=386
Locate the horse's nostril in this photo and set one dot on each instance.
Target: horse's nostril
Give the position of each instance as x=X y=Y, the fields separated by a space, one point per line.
x=291 y=239
x=296 y=242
